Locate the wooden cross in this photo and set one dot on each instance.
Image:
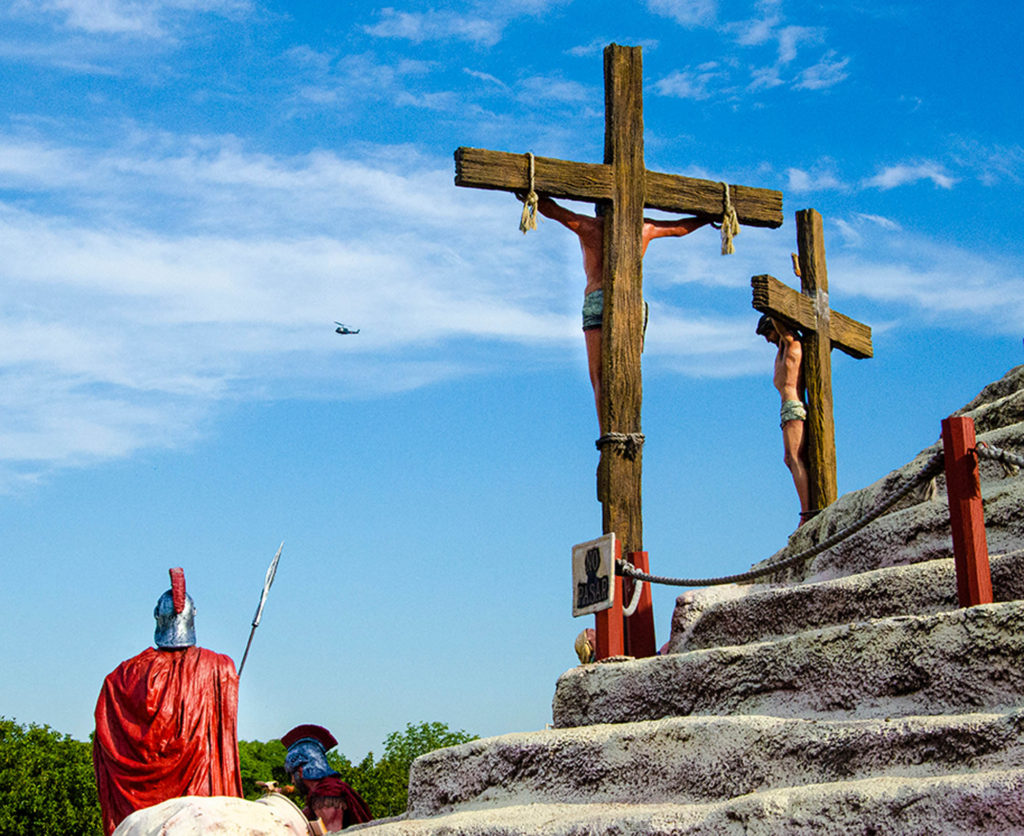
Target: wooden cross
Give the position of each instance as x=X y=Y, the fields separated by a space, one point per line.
x=625 y=187
x=824 y=329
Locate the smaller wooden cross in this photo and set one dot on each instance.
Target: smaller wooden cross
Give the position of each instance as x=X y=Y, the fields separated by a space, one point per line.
x=823 y=329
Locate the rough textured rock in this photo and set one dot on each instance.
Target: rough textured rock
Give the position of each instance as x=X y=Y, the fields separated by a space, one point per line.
x=942 y=663
x=703 y=759
x=740 y=614
x=193 y=816
x=982 y=802
x=849 y=695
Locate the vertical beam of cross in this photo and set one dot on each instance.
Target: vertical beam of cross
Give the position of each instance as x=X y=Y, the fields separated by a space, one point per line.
x=821 y=428
x=619 y=475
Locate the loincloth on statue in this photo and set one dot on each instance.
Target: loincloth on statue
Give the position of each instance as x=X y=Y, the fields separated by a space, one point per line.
x=593 y=310
x=792 y=411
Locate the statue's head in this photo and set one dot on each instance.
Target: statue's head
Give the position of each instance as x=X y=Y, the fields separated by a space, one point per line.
x=307 y=749
x=175 y=614
x=766 y=328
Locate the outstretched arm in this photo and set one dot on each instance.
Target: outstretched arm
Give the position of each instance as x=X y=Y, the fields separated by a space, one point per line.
x=674 y=228
x=566 y=217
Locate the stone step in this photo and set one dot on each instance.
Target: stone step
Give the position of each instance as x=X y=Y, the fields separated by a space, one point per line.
x=732 y=614
x=978 y=802
x=964 y=660
x=704 y=759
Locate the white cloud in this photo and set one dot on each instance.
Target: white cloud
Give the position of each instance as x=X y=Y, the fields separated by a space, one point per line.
x=907 y=173
x=437 y=26
x=232 y=284
x=554 y=88
x=487 y=77
x=689 y=13
x=819 y=179
x=828 y=72
x=146 y=18
x=692 y=83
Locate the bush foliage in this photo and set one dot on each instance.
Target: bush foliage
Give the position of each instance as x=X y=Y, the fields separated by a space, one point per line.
x=47 y=783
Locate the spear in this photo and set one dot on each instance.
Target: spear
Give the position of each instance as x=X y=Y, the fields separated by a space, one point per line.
x=267 y=581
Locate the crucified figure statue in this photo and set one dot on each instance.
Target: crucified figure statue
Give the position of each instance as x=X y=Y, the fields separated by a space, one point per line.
x=590 y=230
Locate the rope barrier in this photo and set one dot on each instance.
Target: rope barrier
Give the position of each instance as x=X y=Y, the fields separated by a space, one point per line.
x=634 y=602
x=1011 y=463
x=528 y=220
x=931 y=468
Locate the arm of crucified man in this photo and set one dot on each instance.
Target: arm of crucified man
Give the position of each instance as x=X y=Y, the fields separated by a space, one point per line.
x=672 y=228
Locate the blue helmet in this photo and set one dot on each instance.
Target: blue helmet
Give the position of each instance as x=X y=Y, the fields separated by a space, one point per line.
x=175 y=614
x=307 y=747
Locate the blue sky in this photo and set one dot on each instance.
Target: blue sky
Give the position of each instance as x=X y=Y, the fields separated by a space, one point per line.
x=192 y=191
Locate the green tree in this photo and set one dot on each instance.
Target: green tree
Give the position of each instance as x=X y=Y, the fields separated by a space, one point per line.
x=384 y=784
x=46 y=782
x=261 y=762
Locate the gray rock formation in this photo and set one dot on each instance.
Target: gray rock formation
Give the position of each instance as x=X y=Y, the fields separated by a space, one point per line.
x=849 y=694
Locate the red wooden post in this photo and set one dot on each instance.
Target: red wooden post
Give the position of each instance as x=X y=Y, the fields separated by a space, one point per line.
x=640 y=625
x=966 y=517
x=610 y=639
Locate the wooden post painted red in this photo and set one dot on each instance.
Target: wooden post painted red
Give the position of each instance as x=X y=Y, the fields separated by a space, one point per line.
x=966 y=517
x=610 y=639
x=639 y=628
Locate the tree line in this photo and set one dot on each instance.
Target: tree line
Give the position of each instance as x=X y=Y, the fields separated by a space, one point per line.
x=47 y=782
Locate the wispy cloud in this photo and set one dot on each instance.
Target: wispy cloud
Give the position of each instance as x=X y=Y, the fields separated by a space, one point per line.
x=821 y=178
x=482 y=24
x=689 y=13
x=556 y=89
x=169 y=317
x=908 y=173
x=340 y=80
x=828 y=72
x=437 y=26
x=149 y=19
x=697 y=83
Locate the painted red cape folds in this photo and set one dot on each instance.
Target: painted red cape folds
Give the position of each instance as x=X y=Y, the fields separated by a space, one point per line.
x=166 y=726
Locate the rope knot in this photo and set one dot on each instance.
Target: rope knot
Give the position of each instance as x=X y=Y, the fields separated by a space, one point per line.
x=626 y=445
x=528 y=220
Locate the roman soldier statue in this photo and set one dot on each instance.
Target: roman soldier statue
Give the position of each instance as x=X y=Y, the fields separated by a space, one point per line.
x=166 y=719
x=327 y=797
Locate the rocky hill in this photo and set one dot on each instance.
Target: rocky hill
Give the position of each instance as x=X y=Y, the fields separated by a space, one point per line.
x=847 y=695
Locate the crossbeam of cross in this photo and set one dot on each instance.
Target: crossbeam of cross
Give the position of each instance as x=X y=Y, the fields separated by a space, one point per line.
x=823 y=330
x=625 y=187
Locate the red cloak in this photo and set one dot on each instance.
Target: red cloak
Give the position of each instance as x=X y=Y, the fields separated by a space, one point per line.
x=166 y=726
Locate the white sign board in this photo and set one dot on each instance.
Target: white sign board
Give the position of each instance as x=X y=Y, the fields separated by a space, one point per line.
x=593 y=575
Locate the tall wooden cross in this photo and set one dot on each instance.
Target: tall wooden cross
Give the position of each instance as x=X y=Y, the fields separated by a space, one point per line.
x=625 y=187
x=824 y=329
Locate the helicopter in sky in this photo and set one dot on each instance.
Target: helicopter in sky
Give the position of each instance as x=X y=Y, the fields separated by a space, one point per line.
x=344 y=329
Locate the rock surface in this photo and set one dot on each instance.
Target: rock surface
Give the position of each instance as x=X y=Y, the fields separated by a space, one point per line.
x=847 y=695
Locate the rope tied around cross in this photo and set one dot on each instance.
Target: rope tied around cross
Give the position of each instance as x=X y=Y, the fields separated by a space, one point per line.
x=627 y=445
x=528 y=220
x=730 y=225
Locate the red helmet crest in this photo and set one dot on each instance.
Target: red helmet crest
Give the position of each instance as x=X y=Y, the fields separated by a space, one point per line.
x=178 y=588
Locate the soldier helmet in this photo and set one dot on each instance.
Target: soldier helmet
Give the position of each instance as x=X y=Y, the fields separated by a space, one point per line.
x=307 y=747
x=175 y=614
